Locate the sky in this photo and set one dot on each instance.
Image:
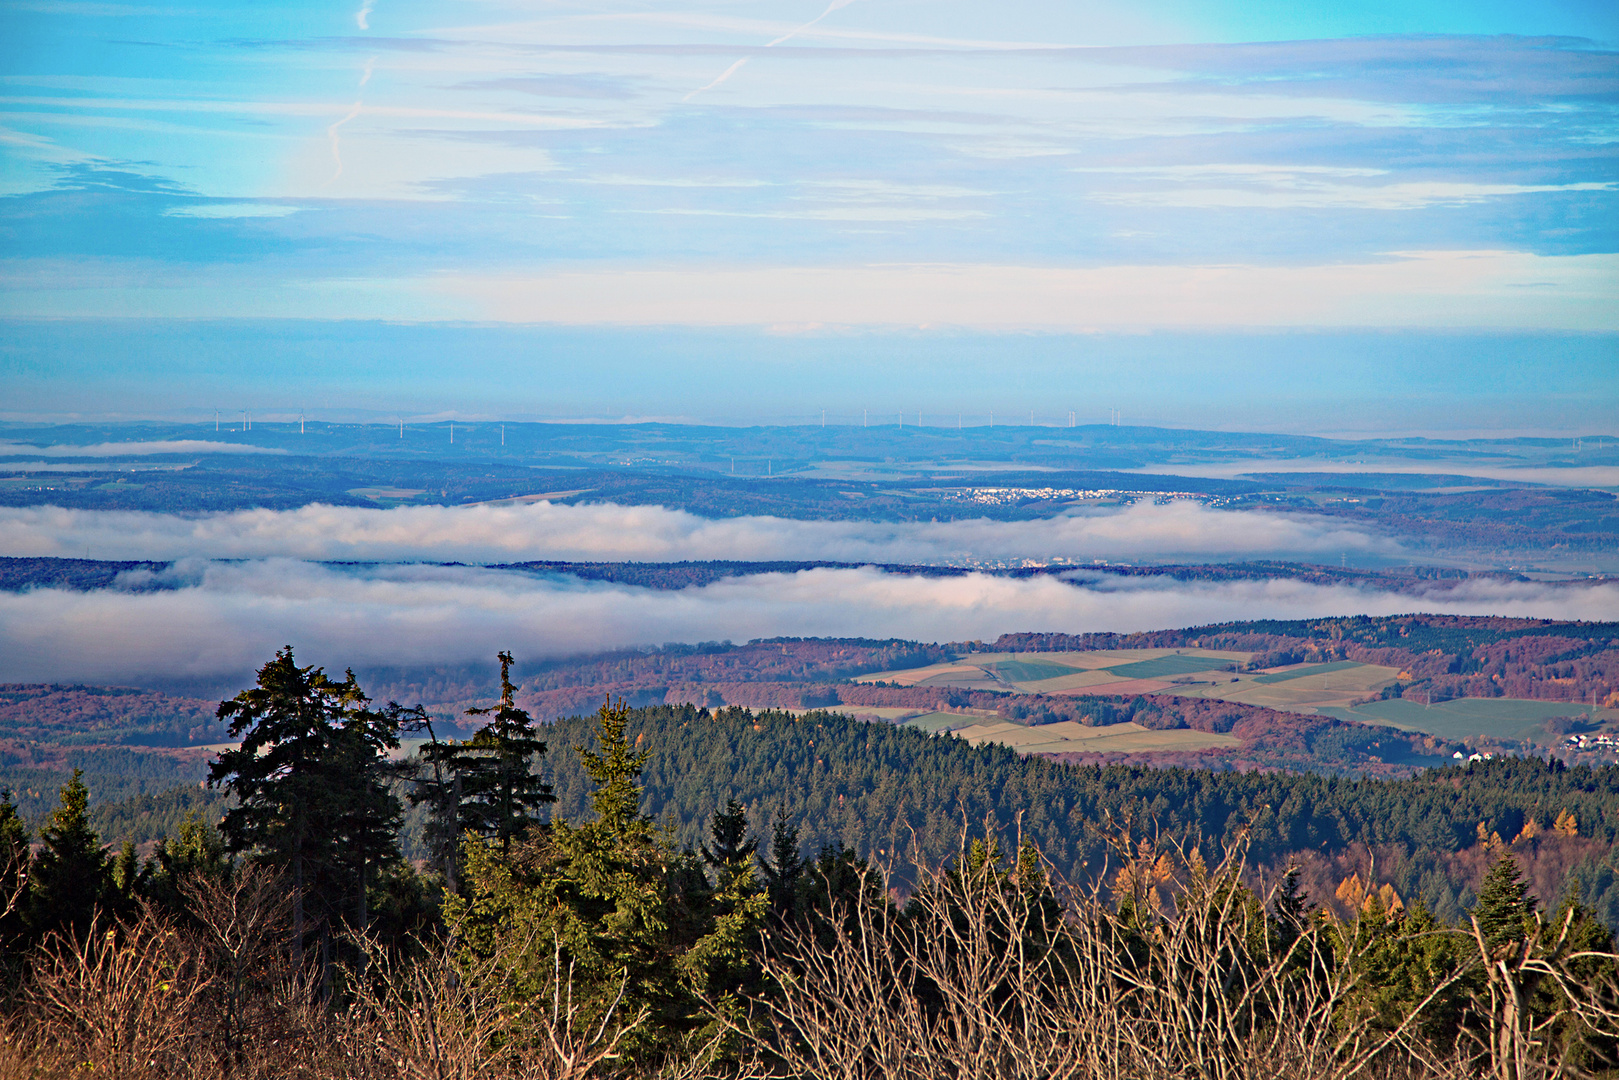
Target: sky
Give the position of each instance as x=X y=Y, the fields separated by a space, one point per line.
x=723 y=210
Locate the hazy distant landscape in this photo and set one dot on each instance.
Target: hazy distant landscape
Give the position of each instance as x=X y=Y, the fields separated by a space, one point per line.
x=886 y=541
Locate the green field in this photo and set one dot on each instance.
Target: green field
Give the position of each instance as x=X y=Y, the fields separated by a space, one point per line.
x=942 y=721
x=1496 y=718
x=1167 y=666
x=1306 y=672
x=1031 y=670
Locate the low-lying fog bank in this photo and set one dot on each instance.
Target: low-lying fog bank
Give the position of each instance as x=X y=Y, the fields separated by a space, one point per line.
x=226 y=618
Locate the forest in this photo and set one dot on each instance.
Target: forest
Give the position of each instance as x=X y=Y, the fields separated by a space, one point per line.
x=679 y=892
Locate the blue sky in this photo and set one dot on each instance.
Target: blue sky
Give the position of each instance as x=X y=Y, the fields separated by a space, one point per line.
x=842 y=186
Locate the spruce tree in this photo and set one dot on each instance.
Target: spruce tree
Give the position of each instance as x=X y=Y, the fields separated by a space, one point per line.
x=731 y=847
x=309 y=784
x=72 y=874
x=196 y=850
x=437 y=787
x=1504 y=905
x=784 y=871
x=366 y=813
x=495 y=790
x=615 y=768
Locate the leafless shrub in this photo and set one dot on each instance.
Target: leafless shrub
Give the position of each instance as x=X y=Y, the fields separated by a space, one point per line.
x=990 y=975
x=242 y=931
x=124 y=1000
x=452 y=1017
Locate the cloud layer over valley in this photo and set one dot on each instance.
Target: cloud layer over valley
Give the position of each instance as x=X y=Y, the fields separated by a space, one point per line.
x=226 y=618
x=492 y=534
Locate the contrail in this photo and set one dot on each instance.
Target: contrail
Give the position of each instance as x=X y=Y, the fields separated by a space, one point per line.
x=830 y=8
x=331 y=132
x=726 y=74
x=734 y=68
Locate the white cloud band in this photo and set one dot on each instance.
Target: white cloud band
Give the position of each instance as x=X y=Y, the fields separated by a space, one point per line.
x=1179 y=529
x=230 y=617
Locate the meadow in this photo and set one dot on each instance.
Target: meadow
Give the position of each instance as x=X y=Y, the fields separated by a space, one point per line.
x=1495 y=718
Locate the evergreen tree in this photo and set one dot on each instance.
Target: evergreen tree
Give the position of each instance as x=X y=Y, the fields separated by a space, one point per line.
x=129 y=878
x=1504 y=905
x=614 y=768
x=784 y=871
x=635 y=920
x=491 y=775
x=197 y=849
x=71 y=876
x=366 y=814
x=309 y=783
x=731 y=847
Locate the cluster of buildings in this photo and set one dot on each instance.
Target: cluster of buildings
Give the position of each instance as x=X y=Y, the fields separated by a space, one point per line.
x=1602 y=740
x=1011 y=496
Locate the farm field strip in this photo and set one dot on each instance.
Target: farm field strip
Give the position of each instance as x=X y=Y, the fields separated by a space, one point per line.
x=1068 y=737
x=1274 y=676
x=1345 y=683
x=1059 y=671
x=1460 y=718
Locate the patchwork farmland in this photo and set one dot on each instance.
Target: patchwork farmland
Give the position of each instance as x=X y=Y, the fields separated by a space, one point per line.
x=1339 y=689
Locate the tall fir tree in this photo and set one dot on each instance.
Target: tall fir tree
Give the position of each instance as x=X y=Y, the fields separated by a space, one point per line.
x=609 y=895
x=436 y=786
x=490 y=778
x=72 y=874
x=310 y=786
x=729 y=837
x=615 y=768
x=1504 y=905
x=366 y=812
x=784 y=871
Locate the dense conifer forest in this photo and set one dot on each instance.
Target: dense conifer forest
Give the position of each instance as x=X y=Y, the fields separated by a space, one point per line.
x=899 y=795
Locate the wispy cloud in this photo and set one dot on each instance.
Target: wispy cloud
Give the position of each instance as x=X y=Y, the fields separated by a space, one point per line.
x=1209 y=168
x=1427 y=288
x=228 y=618
x=132 y=449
